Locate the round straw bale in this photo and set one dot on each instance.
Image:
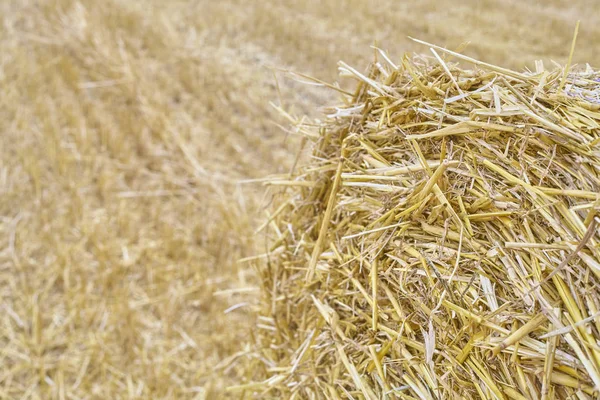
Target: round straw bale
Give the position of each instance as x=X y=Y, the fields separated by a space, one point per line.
x=442 y=242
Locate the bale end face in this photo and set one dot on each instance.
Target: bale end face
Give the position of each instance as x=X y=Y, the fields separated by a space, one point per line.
x=443 y=240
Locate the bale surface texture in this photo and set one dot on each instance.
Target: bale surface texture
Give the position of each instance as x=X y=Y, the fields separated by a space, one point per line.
x=442 y=241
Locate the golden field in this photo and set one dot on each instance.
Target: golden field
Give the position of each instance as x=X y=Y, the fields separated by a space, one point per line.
x=131 y=134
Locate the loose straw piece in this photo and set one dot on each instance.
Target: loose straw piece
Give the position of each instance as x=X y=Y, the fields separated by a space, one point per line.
x=325 y=223
x=566 y=70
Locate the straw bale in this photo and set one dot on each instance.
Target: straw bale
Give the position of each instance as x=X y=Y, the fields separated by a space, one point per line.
x=441 y=242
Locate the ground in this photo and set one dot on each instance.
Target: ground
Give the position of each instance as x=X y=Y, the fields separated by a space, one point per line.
x=131 y=133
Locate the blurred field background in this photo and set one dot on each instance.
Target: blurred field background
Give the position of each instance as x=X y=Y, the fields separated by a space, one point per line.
x=127 y=128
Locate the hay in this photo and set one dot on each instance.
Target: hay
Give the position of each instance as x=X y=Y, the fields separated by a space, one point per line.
x=442 y=242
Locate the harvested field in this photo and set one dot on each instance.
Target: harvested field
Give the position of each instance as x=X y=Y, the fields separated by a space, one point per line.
x=127 y=129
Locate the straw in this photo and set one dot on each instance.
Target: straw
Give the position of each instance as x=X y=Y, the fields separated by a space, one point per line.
x=452 y=252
